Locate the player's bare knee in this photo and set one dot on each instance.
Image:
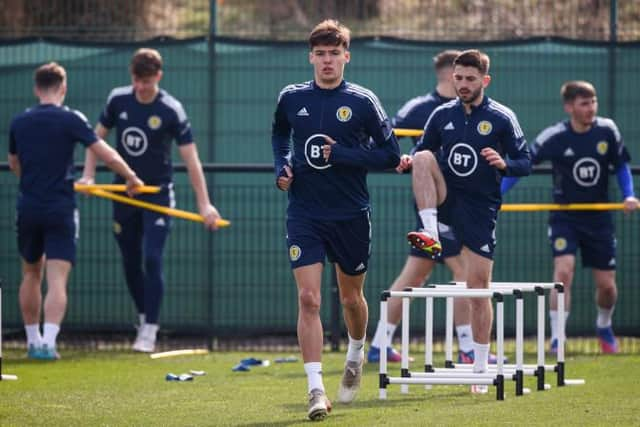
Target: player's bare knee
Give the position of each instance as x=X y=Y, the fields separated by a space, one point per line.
x=32 y=277
x=424 y=160
x=608 y=290
x=565 y=276
x=352 y=302
x=309 y=301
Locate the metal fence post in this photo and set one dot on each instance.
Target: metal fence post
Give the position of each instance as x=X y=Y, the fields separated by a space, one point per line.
x=211 y=44
x=612 y=69
x=336 y=323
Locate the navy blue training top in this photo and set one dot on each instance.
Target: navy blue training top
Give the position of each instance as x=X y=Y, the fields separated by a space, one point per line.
x=580 y=161
x=144 y=132
x=462 y=136
x=44 y=137
x=415 y=112
x=351 y=115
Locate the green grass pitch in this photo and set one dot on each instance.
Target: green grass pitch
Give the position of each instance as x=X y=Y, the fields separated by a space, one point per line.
x=111 y=388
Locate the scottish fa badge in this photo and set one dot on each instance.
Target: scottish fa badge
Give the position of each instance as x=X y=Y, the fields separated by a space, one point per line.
x=560 y=244
x=294 y=252
x=344 y=114
x=484 y=127
x=154 y=122
x=602 y=147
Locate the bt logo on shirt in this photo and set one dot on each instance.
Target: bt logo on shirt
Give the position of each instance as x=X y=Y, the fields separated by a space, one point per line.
x=134 y=141
x=463 y=159
x=586 y=172
x=313 y=151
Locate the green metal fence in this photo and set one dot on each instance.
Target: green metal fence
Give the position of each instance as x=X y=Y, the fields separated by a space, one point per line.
x=237 y=281
x=218 y=283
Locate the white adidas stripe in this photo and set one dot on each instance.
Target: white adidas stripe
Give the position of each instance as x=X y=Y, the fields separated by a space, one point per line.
x=118 y=91
x=608 y=123
x=413 y=103
x=549 y=133
x=444 y=106
x=366 y=93
x=175 y=105
x=293 y=88
x=496 y=106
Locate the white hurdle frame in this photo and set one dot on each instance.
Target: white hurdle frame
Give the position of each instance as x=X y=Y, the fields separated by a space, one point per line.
x=5 y=377
x=0 y=331
x=431 y=378
x=514 y=372
x=520 y=368
x=539 y=288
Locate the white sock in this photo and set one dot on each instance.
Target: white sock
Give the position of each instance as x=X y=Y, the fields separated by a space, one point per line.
x=480 y=357
x=314 y=375
x=150 y=330
x=465 y=338
x=388 y=329
x=33 y=334
x=429 y=219
x=141 y=319
x=50 y=334
x=391 y=330
x=553 y=320
x=604 y=317
x=355 y=350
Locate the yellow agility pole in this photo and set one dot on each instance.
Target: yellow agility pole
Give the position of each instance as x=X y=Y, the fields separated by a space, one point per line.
x=408 y=132
x=176 y=353
x=531 y=207
x=121 y=188
x=156 y=208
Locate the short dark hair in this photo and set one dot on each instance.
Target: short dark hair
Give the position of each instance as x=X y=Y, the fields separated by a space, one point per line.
x=330 y=33
x=146 y=62
x=473 y=58
x=49 y=76
x=445 y=59
x=577 y=88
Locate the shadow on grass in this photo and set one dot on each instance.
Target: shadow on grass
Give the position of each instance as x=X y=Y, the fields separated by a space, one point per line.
x=340 y=411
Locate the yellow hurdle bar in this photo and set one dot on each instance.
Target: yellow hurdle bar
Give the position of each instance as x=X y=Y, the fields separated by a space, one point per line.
x=531 y=207
x=156 y=208
x=121 y=188
x=408 y=132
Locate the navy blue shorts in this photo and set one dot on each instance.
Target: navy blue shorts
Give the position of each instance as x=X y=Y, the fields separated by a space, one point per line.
x=593 y=235
x=469 y=223
x=52 y=233
x=346 y=242
x=130 y=223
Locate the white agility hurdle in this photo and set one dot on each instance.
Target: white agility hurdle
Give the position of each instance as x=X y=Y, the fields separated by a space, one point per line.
x=534 y=370
x=495 y=378
x=3 y=376
x=516 y=371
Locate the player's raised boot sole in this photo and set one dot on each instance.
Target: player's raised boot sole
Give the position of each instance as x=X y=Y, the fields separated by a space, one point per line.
x=424 y=242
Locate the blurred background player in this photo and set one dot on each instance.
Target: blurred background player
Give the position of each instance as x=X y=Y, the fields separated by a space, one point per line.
x=339 y=131
x=581 y=150
x=419 y=264
x=41 y=144
x=147 y=119
x=481 y=141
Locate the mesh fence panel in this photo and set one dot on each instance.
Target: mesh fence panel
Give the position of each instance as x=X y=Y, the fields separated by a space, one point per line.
x=237 y=281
